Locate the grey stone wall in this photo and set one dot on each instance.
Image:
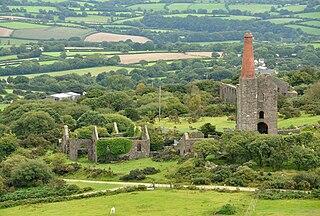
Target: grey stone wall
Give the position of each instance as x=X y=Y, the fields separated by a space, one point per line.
x=187 y=141
x=247 y=104
x=228 y=93
x=267 y=102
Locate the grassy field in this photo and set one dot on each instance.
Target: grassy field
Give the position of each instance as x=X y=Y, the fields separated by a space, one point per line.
x=314 y=15
x=93 y=19
x=143 y=203
x=282 y=20
x=96 y=187
x=12 y=41
x=21 y=25
x=2 y=106
x=53 y=32
x=154 y=7
x=287 y=208
x=222 y=122
x=94 y=71
x=312 y=23
x=308 y=30
x=34 y=9
x=232 y=17
x=293 y=8
x=125 y=167
x=253 y=8
x=207 y=6
x=129 y=19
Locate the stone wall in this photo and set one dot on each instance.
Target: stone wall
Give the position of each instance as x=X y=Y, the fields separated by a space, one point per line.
x=187 y=141
x=140 y=146
x=228 y=93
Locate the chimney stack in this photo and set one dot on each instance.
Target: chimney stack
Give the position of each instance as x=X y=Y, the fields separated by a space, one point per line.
x=248 y=58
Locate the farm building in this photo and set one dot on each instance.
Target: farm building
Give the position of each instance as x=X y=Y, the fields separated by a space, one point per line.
x=68 y=95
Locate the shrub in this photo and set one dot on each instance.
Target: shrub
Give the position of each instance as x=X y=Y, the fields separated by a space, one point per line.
x=227 y=209
x=134 y=175
x=150 y=171
x=96 y=172
x=201 y=181
x=8 y=144
x=86 y=132
x=115 y=146
x=31 y=173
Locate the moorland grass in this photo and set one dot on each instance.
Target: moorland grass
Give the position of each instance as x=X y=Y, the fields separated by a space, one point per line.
x=142 y=203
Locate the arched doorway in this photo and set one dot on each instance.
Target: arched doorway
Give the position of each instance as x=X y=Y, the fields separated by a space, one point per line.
x=262 y=128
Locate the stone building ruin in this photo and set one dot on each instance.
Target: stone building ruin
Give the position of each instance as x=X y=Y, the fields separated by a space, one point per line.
x=71 y=146
x=256 y=96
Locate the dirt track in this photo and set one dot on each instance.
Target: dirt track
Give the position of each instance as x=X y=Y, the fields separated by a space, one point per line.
x=108 y=37
x=4 y=32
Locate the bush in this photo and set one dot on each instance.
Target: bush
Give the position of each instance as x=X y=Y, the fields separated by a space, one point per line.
x=96 y=172
x=115 y=146
x=201 y=181
x=31 y=173
x=86 y=132
x=8 y=144
x=150 y=171
x=227 y=209
x=134 y=175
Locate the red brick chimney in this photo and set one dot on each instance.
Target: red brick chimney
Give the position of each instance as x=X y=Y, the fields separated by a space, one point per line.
x=248 y=58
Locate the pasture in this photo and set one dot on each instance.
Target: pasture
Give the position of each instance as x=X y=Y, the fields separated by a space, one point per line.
x=287 y=207
x=312 y=23
x=148 y=7
x=53 y=32
x=21 y=25
x=141 y=203
x=4 y=42
x=282 y=20
x=109 y=37
x=34 y=9
x=312 y=15
x=253 y=8
x=208 y=7
x=293 y=8
x=306 y=29
x=90 y=19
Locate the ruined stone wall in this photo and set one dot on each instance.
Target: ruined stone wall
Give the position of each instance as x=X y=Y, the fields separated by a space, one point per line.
x=187 y=141
x=75 y=145
x=283 y=88
x=228 y=93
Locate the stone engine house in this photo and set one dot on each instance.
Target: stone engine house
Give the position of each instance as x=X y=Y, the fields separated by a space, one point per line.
x=256 y=96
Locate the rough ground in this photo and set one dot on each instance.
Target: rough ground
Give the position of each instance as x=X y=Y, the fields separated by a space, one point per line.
x=4 y=32
x=108 y=37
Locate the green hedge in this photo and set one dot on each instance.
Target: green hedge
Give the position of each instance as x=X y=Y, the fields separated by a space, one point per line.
x=115 y=147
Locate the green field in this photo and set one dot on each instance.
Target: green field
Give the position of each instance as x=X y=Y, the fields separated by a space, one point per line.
x=159 y=202
x=93 y=19
x=222 y=122
x=253 y=8
x=34 y=9
x=314 y=15
x=7 y=42
x=312 y=23
x=287 y=208
x=94 y=71
x=2 y=106
x=293 y=8
x=21 y=25
x=179 y=6
x=129 y=19
x=154 y=7
x=308 y=30
x=282 y=20
x=53 y=32
x=207 y=6
x=125 y=167
x=96 y=187
x=233 y=17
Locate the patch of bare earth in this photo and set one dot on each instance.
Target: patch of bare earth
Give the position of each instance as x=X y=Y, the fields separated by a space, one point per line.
x=108 y=37
x=135 y=58
x=4 y=32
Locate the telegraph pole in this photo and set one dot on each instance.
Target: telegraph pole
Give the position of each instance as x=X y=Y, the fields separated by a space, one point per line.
x=159 y=103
